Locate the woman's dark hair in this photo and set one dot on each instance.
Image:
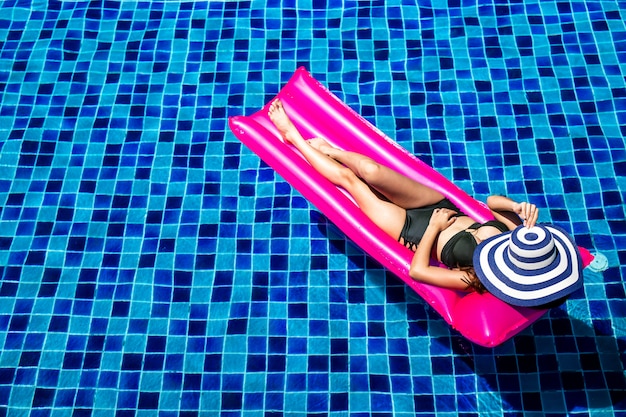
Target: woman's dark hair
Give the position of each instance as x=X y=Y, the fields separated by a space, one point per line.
x=472 y=281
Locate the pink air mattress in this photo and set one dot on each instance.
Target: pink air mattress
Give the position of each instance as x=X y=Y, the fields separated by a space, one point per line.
x=482 y=319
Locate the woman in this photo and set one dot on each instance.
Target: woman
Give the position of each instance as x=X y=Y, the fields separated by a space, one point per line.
x=417 y=216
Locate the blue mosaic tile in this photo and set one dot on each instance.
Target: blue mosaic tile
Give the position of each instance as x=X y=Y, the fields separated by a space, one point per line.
x=150 y=263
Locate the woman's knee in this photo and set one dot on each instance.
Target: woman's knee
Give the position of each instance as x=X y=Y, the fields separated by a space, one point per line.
x=345 y=178
x=369 y=170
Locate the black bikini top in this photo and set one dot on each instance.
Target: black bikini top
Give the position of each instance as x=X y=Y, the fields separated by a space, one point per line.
x=459 y=250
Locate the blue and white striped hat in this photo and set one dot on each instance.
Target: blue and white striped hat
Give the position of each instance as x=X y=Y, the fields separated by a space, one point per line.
x=529 y=267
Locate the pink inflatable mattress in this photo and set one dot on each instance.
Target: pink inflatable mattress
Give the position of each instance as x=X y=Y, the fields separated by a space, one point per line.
x=482 y=319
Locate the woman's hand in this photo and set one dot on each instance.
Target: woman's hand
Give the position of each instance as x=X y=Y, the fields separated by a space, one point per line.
x=528 y=212
x=442 y=218
x=421 y=269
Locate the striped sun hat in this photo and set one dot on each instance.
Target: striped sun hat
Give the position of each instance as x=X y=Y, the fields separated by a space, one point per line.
x=529 y=267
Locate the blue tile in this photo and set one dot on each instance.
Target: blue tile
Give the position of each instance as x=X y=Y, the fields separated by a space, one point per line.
x=147 y=257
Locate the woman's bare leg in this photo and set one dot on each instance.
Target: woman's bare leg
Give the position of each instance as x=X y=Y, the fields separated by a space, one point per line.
x=399 y=189
x=388 y=216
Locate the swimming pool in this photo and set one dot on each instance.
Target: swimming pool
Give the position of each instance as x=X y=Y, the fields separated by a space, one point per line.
x=150 y=263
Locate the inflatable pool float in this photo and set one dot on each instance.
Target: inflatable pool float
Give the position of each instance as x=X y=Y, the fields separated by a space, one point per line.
x=316 y=112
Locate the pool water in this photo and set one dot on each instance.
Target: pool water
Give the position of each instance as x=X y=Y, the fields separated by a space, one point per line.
x=152 y=265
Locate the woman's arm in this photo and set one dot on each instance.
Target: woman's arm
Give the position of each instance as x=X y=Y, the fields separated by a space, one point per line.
x=421 y=269
x=512 y=213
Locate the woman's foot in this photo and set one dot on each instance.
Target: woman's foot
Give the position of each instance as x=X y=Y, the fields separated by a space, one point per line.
x=278 y=116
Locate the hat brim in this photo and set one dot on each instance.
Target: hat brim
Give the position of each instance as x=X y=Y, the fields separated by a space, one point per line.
x=520 y=287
